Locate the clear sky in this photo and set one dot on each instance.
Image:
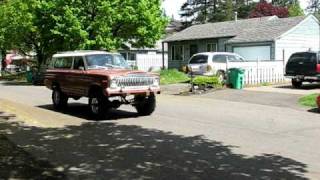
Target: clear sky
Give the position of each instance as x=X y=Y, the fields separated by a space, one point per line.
x=172 y=7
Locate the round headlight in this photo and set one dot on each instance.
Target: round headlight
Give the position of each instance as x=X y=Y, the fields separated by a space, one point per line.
x=156 y=82
x=113 y=84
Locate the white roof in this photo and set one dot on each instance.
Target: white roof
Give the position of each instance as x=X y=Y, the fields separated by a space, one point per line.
x=81 y=53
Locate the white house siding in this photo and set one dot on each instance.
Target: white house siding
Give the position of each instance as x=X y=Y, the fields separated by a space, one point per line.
x=303 y=37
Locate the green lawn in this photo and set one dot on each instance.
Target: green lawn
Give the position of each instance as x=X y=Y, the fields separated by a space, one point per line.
x=13 y=77
x=309 y=100
x=173 y=76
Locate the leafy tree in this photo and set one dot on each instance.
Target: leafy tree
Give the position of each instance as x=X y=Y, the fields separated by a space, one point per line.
x=267 y=9
x=295 y=10
x=314 y=7
x=229 y=11
x=48 y=26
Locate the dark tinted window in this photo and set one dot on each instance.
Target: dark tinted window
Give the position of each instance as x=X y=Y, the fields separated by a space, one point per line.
x=63 y=63
x=199 y=59
x=219 y=58
x=78 y=62
x=303 y=57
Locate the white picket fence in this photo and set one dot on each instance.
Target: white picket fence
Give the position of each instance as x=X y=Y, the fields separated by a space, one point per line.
x=145 y=62
x=256 y=72
x=259 y=72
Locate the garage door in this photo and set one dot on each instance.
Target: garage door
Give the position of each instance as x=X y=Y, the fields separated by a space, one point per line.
x=254 y=52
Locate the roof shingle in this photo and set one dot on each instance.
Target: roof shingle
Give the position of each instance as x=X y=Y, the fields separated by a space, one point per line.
x=248 y=30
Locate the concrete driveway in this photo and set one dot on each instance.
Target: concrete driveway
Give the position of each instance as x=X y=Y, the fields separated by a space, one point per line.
x=288 y=89
x=186 y=138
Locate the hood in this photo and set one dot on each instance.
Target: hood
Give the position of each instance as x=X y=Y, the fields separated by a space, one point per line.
x=111 y=73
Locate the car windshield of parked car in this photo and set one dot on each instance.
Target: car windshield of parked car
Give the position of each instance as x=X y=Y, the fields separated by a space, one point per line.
x=106 y=61
x=199 y=59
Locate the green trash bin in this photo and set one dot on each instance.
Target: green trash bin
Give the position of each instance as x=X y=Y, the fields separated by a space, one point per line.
x=236 y=78
x=29 y=76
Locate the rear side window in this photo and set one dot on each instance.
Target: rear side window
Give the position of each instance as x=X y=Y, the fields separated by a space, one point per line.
x=219 y=59
x=63 y=63
x=304 y=57
x=77 y=63
x=199 y=59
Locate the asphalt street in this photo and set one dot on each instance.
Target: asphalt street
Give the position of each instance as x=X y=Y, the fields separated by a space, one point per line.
x=223 y=135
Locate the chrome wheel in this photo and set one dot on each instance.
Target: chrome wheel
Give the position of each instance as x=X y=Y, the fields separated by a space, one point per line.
x=56 y=97
x=95 y=105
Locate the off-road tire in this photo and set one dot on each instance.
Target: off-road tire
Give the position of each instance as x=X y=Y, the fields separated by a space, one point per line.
x=145 y=106
x=98 y=105
x=296 y=84
x=59 y=99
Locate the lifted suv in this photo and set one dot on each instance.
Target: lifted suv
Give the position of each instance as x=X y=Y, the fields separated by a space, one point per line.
x=102 y=77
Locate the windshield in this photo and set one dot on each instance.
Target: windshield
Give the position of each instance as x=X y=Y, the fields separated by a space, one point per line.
x=101 y=61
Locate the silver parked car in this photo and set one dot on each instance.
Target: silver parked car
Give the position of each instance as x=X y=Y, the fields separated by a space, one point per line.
x=212 y=63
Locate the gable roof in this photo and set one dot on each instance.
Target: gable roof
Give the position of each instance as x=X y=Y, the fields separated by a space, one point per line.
x=247 y=30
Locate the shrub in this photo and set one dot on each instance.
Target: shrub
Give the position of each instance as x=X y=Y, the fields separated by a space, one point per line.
x=173 y=76
x=207 y=81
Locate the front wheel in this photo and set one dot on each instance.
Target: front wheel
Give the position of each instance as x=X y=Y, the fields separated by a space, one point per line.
x=59 y=99
x=145 y=106
x=296 y=83
x=97 y=105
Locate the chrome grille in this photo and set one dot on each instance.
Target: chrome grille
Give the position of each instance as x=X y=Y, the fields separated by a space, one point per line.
x=134 y=81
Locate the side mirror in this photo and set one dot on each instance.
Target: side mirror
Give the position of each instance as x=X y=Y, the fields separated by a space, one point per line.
x=81 y=68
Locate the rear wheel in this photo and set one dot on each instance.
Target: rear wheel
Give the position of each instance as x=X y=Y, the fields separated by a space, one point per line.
x=97 y=105
x=59 y=99
x=222 y=77
x=296 y=83
x=145 y=105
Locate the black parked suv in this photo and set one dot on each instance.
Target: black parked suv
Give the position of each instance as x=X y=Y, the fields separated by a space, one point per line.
x=303 y=67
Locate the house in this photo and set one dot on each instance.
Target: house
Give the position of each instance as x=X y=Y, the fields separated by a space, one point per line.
x=131 y=53
x=267 y=38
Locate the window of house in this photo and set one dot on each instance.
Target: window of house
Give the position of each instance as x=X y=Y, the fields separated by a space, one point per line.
x=63 y=63
x=193 y=49
x=212 y=47
x=132 y=56
x=177 y=53
x=124 y=56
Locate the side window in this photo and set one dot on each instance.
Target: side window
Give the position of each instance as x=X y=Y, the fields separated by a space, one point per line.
x=219 y=59
x=199 y=59
x=232 y=58
x=63 y=63
x=78 y=63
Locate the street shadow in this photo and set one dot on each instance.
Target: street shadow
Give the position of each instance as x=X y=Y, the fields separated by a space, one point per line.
x=82 y=111
x=15 y=163
x=104 y=150
x=307 y=86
